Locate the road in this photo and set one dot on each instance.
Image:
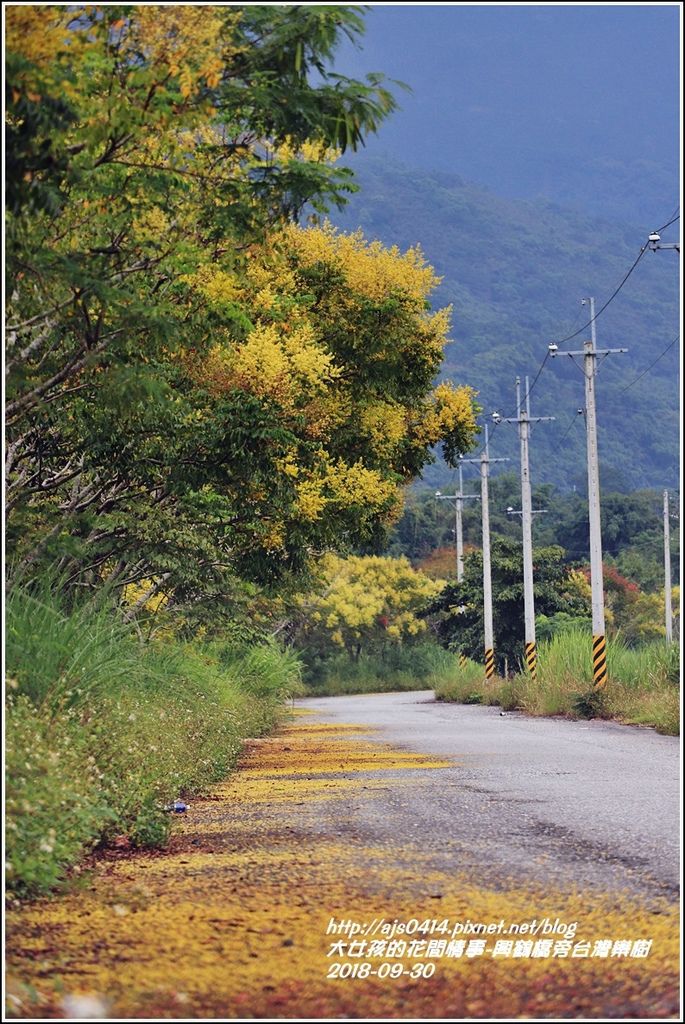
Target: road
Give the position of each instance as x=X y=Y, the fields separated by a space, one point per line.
x=593 y=803
x=373 y=810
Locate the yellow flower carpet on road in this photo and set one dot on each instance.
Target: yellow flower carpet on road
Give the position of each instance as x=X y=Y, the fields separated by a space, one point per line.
x=231 y=920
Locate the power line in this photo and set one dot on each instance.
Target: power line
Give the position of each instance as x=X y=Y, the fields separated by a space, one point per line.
x=668 y=224
x=610 y=299
x=580 y=330
x=518 y=407
x=667 y=349
x=613 y=295
x=570 y=426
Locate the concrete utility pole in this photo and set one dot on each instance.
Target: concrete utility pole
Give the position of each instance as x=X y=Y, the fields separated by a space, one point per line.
x=488 y=630
x=589 y=354
x=524 y=421
x=459 y=498
x=667 y=571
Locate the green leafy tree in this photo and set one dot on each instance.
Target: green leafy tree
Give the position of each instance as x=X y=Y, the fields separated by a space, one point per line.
x=457 y=614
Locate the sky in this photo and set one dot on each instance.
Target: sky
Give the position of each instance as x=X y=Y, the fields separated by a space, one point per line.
x=560 y=100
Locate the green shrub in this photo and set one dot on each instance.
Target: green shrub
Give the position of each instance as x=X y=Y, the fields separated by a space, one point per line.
x=465 y=684
x=55 y=807
x=60 y=654
x=590 y=704
x=266 y=670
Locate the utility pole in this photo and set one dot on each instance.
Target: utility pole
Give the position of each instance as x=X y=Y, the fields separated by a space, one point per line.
x=654 y=242
x=667 y=571
x=589 y=354
x=524 y=421
x=459 y=498
x=488 y=630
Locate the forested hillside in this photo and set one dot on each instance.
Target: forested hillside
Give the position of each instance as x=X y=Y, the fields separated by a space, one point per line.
x=515 y=273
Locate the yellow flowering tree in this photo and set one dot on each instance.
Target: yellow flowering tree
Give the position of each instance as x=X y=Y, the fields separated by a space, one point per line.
x=196 y=386
x=335 y=336
x=363 y=604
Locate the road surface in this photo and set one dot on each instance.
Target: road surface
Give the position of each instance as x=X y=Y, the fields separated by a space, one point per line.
x=557 y=837
x=594 y=803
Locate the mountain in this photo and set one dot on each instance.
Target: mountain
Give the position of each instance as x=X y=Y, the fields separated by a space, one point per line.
x=580 y=103
x=515 y=272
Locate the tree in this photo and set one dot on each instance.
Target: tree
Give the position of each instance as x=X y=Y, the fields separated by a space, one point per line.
x=457 y=614
x=363 y=603
x=198 y=389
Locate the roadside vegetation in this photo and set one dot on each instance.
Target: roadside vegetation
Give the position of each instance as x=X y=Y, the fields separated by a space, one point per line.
x=212 y=413
x=422 y=667
x=372 y=624
x=105 y=732
x=643 y=685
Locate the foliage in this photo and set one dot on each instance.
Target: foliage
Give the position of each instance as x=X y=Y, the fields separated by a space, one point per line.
x=458 y=612
x=466 y=685
x=264 y=671
x=55 y=806
x=590 y=704
x=632 y=526
x=198 y=391
x=422 y=666
x=643 y=685
x=632 y=533
x=362 y=603
x=548 y=626
x=441 y=563
x=183 y=93
x=104 y=731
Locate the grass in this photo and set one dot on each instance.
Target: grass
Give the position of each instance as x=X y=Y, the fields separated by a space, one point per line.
x=422 y=667
x=642 y=688
x=104 y=732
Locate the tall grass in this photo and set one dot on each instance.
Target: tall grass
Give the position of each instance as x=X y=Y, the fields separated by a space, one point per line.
x=104 y=732
x=465 y=685
x=59 y=654
x=642 y=687
x=422 y=667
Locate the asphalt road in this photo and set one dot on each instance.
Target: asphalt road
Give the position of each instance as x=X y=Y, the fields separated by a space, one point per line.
x=536 y=800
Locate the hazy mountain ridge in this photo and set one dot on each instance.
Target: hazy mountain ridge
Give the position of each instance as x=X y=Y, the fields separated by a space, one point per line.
x=515 y=272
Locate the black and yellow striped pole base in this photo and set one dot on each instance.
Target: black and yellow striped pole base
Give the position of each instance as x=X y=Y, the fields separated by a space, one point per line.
x=489 y=663
x=532 y=659
x=462 y=660
x=599 y=661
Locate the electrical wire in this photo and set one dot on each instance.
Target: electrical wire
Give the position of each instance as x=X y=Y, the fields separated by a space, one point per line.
x=580 y=330
x=668 y=223
x=518 y=407
x=613 y=295
x=667 y=349
x=611 y=298
x=569 y=428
